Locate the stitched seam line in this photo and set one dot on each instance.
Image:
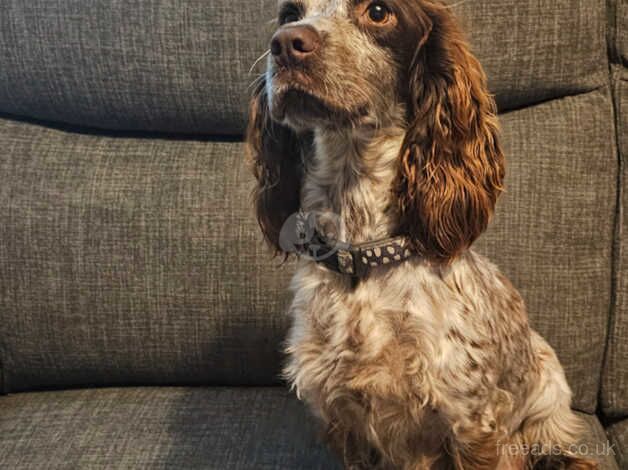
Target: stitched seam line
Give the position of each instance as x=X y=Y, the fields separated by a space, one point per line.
x=615 y=250
x=3 y=382
x=601 y=86
x=612 y=7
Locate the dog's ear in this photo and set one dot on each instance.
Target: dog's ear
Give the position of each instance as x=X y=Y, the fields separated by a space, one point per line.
x=275 y=153
x=451 y=163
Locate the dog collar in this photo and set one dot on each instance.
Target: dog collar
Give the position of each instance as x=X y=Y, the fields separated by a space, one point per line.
x=356 y=260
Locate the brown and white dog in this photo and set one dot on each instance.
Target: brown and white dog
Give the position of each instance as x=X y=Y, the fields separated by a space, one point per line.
x=377 y=112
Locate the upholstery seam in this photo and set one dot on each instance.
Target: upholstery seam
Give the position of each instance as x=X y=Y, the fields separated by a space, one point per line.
x=611 y=25
x=68 y=127
x=619 y=451
x=612 y=7
x=601 y=86
x=3 y=381
x=617 y=232
x=615 y=263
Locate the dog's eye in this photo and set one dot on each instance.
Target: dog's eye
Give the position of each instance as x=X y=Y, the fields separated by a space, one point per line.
x=378 y=13
x=289 y=14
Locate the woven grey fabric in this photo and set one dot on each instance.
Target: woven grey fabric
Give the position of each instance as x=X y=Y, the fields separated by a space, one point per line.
x=183 y=66
x=553 y=231
x=132 y=261
x=621 y=30
x=160 y=428
x=179 y=66
x=615 y=377
x=617 y=19
x=178 y=428
x=618 y=435
x=534 y=50
x=595 y=444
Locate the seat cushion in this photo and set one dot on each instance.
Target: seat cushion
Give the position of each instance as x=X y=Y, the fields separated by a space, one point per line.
x=618 y=435
x=183 y=66
x=595 y=444
x=221 y=428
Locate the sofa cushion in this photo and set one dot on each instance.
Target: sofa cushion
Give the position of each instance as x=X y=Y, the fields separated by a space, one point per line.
x=138 y=261
x=618 y=435
x=534 y=50
x=595 y=444
x=620 y=33
x=132 y=261
x=615 y=376
x=184 y=66
x=553 y=230
x=615 y=384
x=221 y=428
x=177 y=66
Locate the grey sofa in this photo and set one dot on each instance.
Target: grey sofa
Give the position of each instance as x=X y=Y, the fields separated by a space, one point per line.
x=141 y=316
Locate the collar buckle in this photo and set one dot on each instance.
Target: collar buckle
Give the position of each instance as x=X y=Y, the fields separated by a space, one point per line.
x=346 y=262
x=357 y=260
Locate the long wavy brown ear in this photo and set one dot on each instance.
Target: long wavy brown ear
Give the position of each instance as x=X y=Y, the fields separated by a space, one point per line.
x=275 y=154
x=452 y=165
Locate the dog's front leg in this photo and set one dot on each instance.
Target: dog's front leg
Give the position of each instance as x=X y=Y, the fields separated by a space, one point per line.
x=355 y=451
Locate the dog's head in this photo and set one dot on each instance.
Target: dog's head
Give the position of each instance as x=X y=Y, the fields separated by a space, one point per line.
x=352 y=63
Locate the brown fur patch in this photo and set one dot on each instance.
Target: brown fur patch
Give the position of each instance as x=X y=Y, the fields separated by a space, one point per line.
x=452 y=165
x=275 y=155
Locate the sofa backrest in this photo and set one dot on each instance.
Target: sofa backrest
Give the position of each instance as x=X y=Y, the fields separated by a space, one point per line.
x=178 y=67
x=185 y=67
x=133 y=257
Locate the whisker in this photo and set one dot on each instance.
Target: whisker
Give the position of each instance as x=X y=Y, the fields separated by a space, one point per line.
x=457 y=4
x=259 y=59
x=256 y=81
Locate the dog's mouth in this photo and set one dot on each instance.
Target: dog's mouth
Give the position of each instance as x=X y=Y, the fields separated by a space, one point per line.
x=295 y=99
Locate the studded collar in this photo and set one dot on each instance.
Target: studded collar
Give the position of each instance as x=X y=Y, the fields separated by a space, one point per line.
x=356 y=260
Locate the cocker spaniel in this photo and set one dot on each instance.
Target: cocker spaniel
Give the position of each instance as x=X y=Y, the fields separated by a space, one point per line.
x=374 y=125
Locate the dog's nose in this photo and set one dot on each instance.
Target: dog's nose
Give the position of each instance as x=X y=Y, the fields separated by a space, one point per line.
x=293 y=44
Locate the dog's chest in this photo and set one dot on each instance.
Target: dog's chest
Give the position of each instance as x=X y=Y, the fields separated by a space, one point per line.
x=358 y=341
x=365 y=356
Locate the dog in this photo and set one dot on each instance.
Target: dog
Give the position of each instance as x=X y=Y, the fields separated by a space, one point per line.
x=373 y=119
